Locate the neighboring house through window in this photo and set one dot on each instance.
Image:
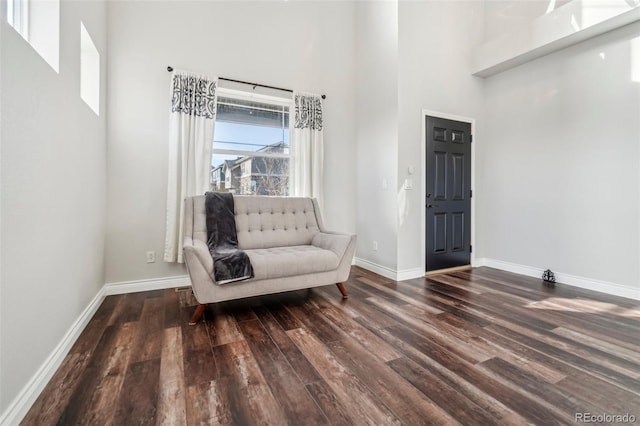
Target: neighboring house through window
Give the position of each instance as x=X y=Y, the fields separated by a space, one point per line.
x=251 y=154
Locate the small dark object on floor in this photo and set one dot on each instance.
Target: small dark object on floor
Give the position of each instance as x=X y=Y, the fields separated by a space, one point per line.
x=549 y=277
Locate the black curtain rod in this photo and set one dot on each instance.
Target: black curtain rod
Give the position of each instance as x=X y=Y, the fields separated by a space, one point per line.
x=170 y=69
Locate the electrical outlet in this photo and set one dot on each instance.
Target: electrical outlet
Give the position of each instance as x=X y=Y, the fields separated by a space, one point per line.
x=151 y=256
x=375 y=246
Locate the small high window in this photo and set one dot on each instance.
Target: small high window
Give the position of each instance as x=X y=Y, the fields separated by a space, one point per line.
x=89 y=71
x=18 y=16
x=38 y=21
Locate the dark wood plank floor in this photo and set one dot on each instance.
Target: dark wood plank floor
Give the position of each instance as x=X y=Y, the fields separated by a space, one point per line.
x=476 y=348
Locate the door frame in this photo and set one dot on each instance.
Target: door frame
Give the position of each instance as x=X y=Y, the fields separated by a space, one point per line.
x=423 y=181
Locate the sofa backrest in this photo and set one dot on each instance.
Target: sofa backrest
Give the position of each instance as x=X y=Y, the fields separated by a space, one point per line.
x=261 y=221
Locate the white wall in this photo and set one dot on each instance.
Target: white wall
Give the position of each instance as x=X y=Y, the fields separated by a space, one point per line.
x=435 y=43
x=53 y=195
x=376 y=83
x=556 y=140
x=417 y=56
x=509 y=16
x=306 y=46
x=560 y=180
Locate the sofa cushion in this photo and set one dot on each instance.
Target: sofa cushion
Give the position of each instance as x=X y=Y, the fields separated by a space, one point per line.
x=278 y=262
x=264 y=222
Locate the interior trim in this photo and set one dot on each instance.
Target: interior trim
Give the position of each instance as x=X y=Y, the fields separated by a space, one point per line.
x=125 y=287
x=448 y=270
x=568 y=279
x=392 y=274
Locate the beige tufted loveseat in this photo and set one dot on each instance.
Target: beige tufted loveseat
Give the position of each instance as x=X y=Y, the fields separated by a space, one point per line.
x=285 y=240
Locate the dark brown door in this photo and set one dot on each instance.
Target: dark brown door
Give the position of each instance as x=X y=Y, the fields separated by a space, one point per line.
x=448 y=196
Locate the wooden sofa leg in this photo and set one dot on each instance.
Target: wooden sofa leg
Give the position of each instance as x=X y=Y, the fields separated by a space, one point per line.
x=197 y=314
x=345 y=295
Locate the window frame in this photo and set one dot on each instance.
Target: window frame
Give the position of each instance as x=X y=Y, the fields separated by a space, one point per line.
x=257 y=97
x=40 y=25
x=18 y=16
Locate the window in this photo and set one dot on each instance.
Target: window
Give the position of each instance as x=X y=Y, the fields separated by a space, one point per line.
x=89 y=71
x=17 y=14
x=251 y=154
x=38 y=21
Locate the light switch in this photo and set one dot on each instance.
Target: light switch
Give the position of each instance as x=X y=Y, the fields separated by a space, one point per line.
x=408 y=184
x=410 y=170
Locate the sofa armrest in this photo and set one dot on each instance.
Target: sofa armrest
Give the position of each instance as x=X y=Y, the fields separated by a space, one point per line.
x=197 y=251
x=337 y=243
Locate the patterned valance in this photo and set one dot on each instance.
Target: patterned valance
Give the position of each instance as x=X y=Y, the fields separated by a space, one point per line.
x=308 y=112
x=194 y=95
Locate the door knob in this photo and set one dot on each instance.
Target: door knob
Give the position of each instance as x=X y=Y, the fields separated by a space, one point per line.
x=429 y=206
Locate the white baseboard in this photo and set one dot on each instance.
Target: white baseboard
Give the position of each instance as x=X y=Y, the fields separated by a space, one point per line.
x=378 y=269
x=477 y=262
x=573 y=280
x=20 y=406
x=529 y=271
x=125 y=287
x=409 y=274
x=386 y=272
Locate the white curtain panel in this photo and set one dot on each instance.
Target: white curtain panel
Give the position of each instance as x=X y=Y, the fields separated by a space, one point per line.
x=191 y=125
x=307 y=146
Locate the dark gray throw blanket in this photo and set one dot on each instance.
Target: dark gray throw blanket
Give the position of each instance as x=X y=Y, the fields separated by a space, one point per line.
x=230 y=263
